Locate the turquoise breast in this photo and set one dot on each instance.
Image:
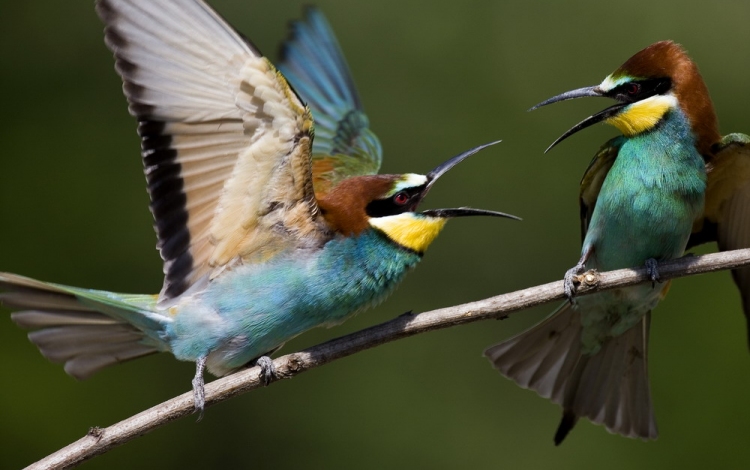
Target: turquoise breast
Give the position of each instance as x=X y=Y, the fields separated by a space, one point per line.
x=254 y=309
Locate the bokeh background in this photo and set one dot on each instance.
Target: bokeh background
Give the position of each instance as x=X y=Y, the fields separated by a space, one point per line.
x=436 y=77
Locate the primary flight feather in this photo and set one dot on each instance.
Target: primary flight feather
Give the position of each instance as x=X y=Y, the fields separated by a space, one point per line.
x=266 y=228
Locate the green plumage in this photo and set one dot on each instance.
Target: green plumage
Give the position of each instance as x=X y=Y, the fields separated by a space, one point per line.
x=639 y=199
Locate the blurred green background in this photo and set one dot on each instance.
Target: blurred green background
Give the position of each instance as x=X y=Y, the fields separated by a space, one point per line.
x=436 y=77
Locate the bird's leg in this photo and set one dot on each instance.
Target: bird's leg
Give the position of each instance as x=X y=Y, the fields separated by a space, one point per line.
x=199 y=393
x=267 y=369
x=652 y=269
x=569 y=281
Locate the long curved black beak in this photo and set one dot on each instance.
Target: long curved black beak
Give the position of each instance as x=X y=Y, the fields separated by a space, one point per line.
x=466 y=212
x=570 y=95
x=443 y=168
x=459 y=211
x=589 y=121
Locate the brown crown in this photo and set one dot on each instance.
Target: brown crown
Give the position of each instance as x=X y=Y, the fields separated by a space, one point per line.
x=344 y=206
x=668 y=59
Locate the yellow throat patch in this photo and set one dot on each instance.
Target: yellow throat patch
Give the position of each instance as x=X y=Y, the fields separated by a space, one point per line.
x=642 y=115
x=409 y=230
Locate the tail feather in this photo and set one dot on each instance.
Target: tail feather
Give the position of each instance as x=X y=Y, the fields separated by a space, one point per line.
x=85 y=330
x=609 y=387
x=542 y=357
x=83 y=367
x=61 y=343
x=25 y=297
x=612 y=388
x=31 y=319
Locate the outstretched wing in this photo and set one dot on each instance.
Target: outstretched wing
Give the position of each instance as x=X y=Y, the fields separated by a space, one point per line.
x=726 y=218
x=593 y=178
x=226 y=142
x=313 y=63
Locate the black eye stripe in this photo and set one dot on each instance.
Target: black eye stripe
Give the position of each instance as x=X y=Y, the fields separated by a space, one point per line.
x=401 y=198
x=412 y=191
x=386 y=207
x=647 y=88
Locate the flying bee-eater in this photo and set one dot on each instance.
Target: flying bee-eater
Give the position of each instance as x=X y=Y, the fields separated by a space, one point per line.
x=641 y=197
x=265 y=228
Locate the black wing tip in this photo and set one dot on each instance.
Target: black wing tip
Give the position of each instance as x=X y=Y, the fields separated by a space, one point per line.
x=108 y=14
x=569 y=420
x=125 y=68
x=283 y=50
x=105 y=10
x=292 y=35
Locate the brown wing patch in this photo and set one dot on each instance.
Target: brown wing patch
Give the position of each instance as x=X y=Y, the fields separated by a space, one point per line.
x=321 y=168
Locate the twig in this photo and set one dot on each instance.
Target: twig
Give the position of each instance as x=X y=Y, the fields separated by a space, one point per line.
x=100 y=440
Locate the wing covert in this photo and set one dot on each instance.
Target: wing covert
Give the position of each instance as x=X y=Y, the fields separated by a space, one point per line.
x=225 y=141
x=593 y=178
x=313 y=63
x=726 y=217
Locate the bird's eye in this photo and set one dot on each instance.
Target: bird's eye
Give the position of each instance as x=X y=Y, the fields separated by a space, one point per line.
x=401 y=198
x=632 y=89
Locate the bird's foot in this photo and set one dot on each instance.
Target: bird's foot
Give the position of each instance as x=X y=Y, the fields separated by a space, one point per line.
x=571 y=279
x=199 y=392
x=652 y=268
x=267 y=369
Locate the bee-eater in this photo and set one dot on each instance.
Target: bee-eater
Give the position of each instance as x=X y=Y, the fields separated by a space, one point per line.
x=640 y=197
x=253 y=254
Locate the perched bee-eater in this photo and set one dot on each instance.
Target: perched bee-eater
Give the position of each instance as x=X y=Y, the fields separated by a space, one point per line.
x=641 y=197
x=265 y=231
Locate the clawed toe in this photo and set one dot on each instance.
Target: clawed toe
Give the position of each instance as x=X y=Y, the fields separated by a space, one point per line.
x=570 y=280
x=652 y=268
x=267 y=369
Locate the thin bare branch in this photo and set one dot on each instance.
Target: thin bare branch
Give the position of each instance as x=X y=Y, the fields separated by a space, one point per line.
x=100 y=440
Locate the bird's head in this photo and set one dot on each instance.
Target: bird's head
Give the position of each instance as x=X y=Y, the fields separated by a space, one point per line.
x=647 y=86
x=388 y=203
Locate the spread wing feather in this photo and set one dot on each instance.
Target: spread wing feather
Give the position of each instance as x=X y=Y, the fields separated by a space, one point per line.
x=226 y=142
x=726 y=218
x=313 y=63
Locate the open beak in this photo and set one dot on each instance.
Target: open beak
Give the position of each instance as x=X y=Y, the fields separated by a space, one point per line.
x=444 y=167
x=570 y=95
x=589 y=121
x=465 y=212
x=460 y=211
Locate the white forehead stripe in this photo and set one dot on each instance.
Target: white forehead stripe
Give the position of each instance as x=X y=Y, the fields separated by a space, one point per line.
x=410 y=180
x=609 y=83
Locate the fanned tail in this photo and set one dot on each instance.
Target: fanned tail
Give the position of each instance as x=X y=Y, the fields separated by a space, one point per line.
x=609 y=387
x=86 y=330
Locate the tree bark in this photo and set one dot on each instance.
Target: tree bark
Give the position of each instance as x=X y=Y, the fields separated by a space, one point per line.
x=100 y=440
